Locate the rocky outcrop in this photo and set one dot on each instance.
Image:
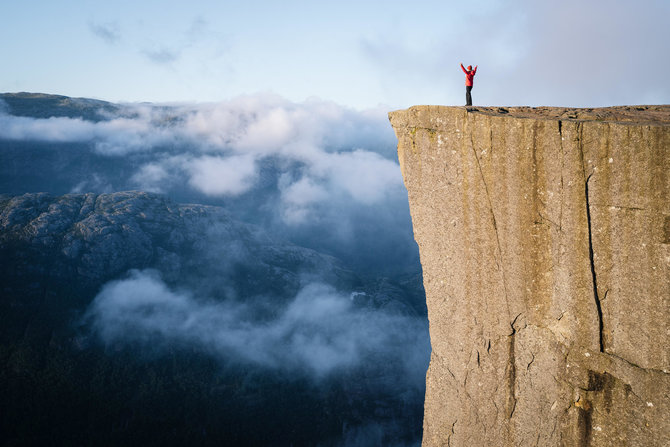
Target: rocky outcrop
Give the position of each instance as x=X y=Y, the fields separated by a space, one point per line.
x=87 y=239
x=544 y=236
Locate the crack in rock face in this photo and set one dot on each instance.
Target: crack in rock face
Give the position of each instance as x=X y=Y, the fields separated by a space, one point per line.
x=593 y=267
x=553 y=221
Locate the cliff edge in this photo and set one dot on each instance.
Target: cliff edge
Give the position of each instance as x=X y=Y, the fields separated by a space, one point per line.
x=544 y=236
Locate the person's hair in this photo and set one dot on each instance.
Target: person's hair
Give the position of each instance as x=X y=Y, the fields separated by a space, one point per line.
x=469 y=67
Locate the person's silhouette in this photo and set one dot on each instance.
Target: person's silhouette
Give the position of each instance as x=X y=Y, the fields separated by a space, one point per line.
x=469 y=76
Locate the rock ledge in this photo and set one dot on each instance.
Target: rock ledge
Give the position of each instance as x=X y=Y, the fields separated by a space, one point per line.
x=544 y=236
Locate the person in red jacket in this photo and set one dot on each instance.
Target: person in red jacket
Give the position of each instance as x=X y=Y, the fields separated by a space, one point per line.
x=469 y=75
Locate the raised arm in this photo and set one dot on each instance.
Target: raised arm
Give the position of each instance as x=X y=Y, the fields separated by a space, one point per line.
x=475 y=70
x=463 y=68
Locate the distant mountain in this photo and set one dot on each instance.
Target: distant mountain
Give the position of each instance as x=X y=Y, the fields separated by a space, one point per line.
x=92 y=238
x=42 y=105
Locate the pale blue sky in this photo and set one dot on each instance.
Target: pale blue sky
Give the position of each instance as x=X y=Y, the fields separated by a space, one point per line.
x=357 y=53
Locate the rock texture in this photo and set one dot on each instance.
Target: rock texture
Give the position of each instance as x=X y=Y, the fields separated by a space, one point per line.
x=544 y=236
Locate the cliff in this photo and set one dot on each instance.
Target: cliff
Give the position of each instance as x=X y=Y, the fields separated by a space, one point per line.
x=544 y=236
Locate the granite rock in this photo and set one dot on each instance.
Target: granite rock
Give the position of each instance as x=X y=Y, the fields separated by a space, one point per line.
x=544 y=236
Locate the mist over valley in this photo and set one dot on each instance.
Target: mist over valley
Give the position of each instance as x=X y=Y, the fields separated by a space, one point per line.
x=244 y=272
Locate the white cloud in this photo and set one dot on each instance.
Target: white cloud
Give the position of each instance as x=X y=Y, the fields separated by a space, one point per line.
x=94 y=182
x=341 y=155
x=115 y=137
x=51 y=129
x=150 y=177
x=218 y=176
x=319 y=332
x=270 y=131
x=366 y=176
x=579 y=54
x=298 y=198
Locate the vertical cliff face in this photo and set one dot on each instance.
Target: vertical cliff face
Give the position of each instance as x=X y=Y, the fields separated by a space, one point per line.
x=544 y=236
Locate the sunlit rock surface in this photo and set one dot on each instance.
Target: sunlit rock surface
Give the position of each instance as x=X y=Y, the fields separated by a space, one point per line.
x=544 y=236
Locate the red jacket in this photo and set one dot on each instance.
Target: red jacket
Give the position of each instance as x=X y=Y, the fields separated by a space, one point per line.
x=469 y=75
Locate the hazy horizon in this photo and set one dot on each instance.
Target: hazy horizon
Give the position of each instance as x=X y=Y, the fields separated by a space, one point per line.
x=361 y=55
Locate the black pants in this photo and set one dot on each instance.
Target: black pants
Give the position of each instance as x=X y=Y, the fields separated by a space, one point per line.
x=468 y=96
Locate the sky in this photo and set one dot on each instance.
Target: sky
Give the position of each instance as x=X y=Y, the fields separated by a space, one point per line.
x=362 y=54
